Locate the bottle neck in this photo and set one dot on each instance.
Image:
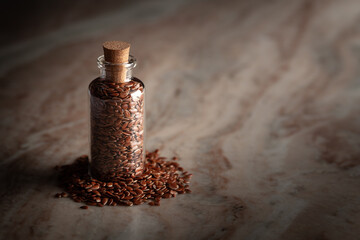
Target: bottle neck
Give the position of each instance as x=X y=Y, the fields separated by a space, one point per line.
x=116 y=72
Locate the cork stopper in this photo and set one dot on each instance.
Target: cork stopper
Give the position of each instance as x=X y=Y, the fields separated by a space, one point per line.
x=116 y=52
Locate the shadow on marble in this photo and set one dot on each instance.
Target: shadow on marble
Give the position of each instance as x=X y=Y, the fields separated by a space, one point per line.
x=25 y=174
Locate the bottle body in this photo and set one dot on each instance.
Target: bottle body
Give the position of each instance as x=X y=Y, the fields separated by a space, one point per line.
x=117 y=114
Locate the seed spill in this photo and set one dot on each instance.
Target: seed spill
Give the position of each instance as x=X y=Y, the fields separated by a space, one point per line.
x=160 y=179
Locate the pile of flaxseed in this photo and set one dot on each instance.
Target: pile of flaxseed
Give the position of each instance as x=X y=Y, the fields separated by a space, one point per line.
x=161 y=179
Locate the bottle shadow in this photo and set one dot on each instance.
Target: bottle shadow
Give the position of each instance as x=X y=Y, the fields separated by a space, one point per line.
x=24 y=174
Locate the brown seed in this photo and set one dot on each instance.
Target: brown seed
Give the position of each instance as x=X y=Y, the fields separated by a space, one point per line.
x=64 y=194
x=128 y=189
x=138 y=191
x=130 y=124
x=167 y=195
x=123 y=95
x=124 y=126
x=127 y=113
x=104 y=201
x=128 y=203
x=91 y=203
x=173 y=186
x=84 y=207
x=96 y=193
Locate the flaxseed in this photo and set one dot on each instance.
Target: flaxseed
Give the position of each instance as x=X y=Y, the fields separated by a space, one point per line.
x=160 y=179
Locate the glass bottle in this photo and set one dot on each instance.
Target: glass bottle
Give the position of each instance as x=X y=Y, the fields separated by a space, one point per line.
x=117 y=112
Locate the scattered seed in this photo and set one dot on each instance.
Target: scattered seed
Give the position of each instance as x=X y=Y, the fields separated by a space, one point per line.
x=64 y=194
x=159 y=180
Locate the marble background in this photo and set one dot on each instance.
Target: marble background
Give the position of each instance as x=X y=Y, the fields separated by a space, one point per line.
x=260 y=100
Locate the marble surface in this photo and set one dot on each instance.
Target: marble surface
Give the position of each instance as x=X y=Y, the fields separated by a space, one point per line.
x=258 y=99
